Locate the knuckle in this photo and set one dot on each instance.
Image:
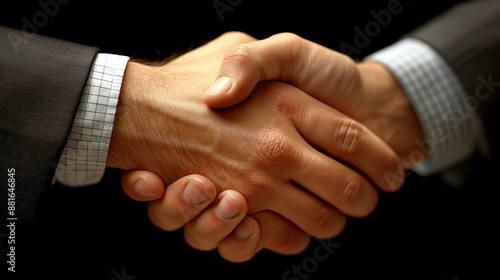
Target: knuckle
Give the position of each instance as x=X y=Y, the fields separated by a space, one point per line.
x=351 y=190
x=292 y=46
x=242 y=54
x=322 y=223
x=288 y=37
x=287 y=104
x=170 y=217
x=272 y=148
x=238 y=36
x=349 y=137
x=203 y=236
x=289 y=242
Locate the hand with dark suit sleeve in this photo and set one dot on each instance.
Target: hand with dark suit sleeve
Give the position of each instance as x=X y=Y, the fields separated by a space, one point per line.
x=162 y=125
x=268 y=232
x=447 y=66
x=367 y=92
x=258 y=148
x=467 y=37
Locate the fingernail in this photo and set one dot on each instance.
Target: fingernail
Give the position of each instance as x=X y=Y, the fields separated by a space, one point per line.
x=244 y=230
x=226 y=209
x=142 y=189
x=194 y=193
x=220 y=86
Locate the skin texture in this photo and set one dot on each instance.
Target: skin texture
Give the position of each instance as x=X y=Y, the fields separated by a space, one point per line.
x=263 y=147
x=367 y=92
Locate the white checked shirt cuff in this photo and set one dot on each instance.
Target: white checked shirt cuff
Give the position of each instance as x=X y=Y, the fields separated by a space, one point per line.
x=448 y=116
x=84 y=157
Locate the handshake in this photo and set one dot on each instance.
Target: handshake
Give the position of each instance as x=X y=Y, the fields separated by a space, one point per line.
x=295 y=138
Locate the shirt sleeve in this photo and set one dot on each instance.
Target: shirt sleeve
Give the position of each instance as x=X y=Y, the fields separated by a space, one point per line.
x=448 y=116
x=84 y=157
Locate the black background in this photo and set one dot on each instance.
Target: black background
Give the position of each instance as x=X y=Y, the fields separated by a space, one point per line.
x=428 y=230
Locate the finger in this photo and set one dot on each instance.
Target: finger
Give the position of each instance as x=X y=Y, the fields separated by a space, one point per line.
x=142 y=185
x=243 y=243
x=317 y=70
x=339 y=185
x=336 y=135
x=346 y=139
x=279 y=235
x=184 y=199
x=310 y=213
x=218 y=221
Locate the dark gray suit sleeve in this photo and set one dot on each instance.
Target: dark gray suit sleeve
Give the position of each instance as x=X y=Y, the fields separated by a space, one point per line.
x=468 y=37
x=41 y=82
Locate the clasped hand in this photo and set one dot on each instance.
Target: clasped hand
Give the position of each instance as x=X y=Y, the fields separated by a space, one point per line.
x=269 y=172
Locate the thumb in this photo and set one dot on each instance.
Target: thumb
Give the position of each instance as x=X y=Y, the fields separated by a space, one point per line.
x=142 y=185
x=325 y=74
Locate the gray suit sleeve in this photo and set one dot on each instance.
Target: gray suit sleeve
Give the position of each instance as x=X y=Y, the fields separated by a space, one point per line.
x=468 y=37
x=41 y=82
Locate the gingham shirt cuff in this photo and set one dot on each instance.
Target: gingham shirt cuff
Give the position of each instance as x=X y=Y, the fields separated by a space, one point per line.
x=84 y=157
x=447 y=115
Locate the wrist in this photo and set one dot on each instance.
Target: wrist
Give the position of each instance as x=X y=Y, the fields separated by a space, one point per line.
x=120 y=152
x=161 y=124
x=390 y=114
